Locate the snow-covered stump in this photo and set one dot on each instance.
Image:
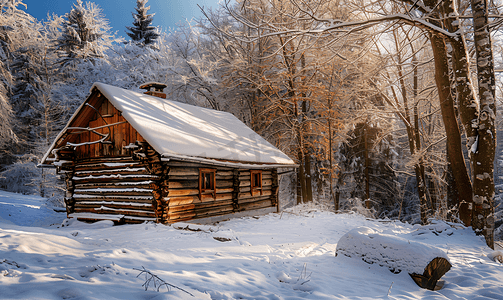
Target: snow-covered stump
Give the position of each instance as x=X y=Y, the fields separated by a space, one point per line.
x=425 y=264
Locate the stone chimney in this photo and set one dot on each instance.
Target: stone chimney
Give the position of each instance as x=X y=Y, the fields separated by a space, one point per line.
x=154 y=89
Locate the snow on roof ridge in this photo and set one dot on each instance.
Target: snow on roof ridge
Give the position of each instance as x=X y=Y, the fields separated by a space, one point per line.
x=157 y=98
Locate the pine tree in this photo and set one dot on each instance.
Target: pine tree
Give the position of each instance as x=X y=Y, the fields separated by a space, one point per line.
x=86 y=33
x=142 y=32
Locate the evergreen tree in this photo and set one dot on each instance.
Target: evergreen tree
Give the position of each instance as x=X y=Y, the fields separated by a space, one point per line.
x=142 y=32
x=86 y=33
x=365 y=169
x=17 y=28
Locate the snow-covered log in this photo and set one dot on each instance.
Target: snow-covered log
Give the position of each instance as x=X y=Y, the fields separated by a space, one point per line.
x=425 y=264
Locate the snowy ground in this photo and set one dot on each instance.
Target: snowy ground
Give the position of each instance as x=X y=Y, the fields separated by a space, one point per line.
x=278 y=256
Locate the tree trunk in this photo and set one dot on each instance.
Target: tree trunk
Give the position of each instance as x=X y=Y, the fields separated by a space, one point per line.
x=413 y=134
x=467 y=104
x=367 y=165
x=483 y=167
x=309 y=182
x=454 y=145
x=301 y=180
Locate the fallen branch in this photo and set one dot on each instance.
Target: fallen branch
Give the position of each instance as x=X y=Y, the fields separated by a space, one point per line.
x=157 y=282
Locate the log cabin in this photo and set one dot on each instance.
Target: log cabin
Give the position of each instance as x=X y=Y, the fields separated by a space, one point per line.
x=133 y=157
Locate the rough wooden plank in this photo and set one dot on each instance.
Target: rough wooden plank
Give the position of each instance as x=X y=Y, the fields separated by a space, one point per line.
x=125 y=171
x=183 y=192
x=122 y=202
x=107 y=166
x=225 y=190
x=248 y=188
x=255 y=205
x=183 y=178
x=173 y=207
x=113 y=197
x=115 y=185
x=182 y=184
x=248 y=200
x=224 y=184
x=245 y=183
x=224 y=173
x=206 y=210
x=178 y=208
x=84 y=116
x=213 y=204
x=102 y=160
x=183 y=171
x=173 y=184
x=181 y=200
x=138 y=213
x=180 y=215
x=202 y=213
x=113 y=179
x=247 y=195
x=226 y=196
x=87 y=205
x=133 y=192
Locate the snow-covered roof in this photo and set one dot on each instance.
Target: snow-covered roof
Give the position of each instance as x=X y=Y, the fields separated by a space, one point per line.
x=180 y=130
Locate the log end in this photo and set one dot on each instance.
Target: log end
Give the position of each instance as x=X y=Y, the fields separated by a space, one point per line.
x=432 y=273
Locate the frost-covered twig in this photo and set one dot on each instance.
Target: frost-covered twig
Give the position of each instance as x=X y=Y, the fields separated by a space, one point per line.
x=151 y=278
x=304 y=277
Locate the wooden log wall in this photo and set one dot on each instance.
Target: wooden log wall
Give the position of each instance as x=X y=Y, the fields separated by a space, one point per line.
x=66 y=167
x=152 y=160
x=233 y=192
x=113 y=186
x=247 y=201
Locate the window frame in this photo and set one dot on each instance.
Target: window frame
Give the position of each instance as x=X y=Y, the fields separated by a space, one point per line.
x=213 y=182
x=253 y=186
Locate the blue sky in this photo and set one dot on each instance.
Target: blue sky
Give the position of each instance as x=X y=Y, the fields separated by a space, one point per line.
x=167 y=12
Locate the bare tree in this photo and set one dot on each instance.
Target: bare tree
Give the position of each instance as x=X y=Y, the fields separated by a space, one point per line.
x=288 y=85
x=476 y=190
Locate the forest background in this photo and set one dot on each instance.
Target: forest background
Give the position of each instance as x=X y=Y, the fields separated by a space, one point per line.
x=388 y=107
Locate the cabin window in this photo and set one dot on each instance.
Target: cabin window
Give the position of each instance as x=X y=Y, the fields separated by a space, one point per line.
x=256 y=181
x=207 y=182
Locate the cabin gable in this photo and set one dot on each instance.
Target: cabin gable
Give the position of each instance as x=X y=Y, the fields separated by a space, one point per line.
x=99 y=130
